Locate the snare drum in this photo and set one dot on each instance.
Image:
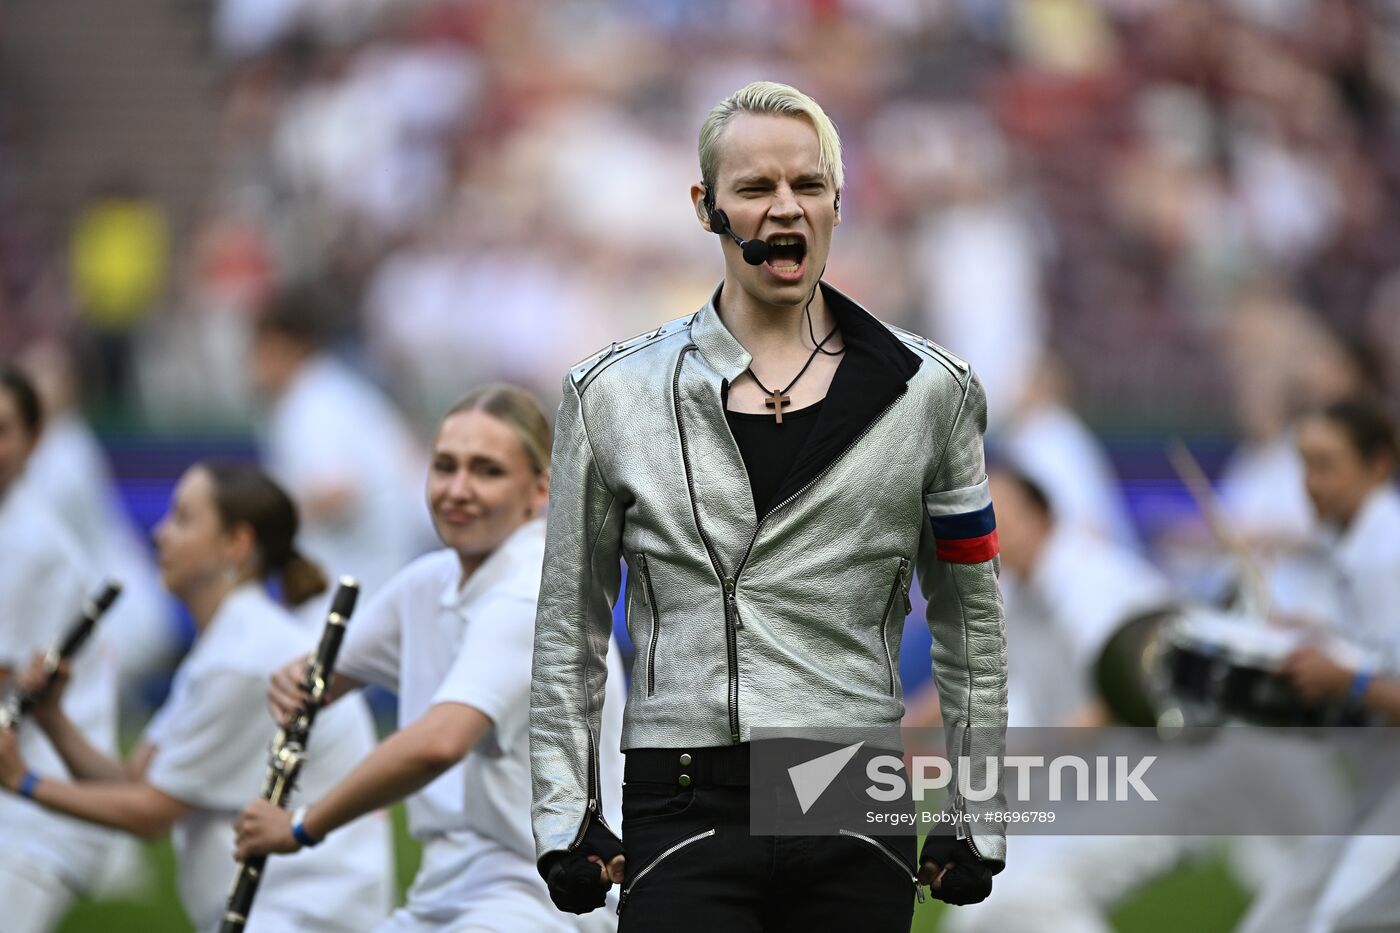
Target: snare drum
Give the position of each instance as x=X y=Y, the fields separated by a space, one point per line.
x=1224 y=668
x=1193 y=666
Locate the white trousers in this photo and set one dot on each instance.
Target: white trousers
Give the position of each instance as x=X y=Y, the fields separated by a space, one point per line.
x=32 y=899
x=1065 y=884
x=468 y=884
x=1337 y=884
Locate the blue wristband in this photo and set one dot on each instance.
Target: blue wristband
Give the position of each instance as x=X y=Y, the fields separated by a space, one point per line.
x=299 y=832
x=1359 y=684
x=27 y=785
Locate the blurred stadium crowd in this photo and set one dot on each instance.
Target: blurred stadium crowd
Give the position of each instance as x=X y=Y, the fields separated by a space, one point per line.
x=494 y=189
x=1148 y=216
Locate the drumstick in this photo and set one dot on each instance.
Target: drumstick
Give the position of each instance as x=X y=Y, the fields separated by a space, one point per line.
x=1188 y=469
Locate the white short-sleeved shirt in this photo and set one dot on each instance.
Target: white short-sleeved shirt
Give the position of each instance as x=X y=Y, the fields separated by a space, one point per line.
x=1368 y=563
x=1056 y=449
x=435 y=641
x=44 y=582
x=1262 y=490
x=211 y=741
x=333 y=427
x=68 y=469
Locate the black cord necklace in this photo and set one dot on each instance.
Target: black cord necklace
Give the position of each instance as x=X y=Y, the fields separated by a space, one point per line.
x=807 y=313
x=778 y=400
x=812 y=334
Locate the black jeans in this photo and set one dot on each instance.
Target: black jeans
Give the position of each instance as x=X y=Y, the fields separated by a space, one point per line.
x=692 y=865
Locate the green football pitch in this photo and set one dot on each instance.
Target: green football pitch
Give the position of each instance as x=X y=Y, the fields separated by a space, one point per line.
x=1200 y=897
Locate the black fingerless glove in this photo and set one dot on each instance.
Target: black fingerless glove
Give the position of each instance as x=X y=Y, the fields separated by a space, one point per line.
x=970 y=878
x=574 y=882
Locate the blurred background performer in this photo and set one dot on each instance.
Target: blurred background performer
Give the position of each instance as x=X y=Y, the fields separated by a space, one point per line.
x=229 y=530
x=1050 y=443
x=1067 y=586
x=336 y=444
x=46 y=860
x=1350 y=456
x=452 y=634
x=69 y=468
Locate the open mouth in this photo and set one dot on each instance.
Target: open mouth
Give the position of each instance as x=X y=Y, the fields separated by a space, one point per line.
x=786 y=254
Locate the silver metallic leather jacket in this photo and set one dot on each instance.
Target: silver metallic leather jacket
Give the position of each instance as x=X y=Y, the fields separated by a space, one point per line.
x=794 y=620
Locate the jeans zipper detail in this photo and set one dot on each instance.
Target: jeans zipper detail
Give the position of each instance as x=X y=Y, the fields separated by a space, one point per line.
x=672 y=850
x=885 y=851
x=649 y=598
x=884 y=621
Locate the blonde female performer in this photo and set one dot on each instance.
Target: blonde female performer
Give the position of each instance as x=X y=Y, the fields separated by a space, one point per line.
x=229 y=529
x=452 y=633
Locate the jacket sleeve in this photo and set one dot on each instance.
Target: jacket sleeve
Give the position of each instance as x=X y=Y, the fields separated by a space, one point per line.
x=573 y=625
x=958 y=569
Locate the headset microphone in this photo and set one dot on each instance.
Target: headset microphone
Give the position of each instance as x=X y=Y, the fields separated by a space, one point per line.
x=755 y=251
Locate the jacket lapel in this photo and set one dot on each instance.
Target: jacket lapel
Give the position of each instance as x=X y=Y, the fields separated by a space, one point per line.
x=875 y=371
x=719 y=484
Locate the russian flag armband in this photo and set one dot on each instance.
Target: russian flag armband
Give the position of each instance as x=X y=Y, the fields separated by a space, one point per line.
x=964 y=525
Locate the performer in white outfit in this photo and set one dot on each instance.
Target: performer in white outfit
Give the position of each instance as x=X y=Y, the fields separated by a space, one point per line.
x=1066 y=589
x=229 y=528
x=1049 y=442
x=1350 y=454
x=46 y=859
x=453 y=634
x=337 y=444
x=69 y=469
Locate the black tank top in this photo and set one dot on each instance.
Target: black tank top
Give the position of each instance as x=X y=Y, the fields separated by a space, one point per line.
x=769 y=448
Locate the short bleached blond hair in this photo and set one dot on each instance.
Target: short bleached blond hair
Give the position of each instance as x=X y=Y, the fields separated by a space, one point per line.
x=769 y=97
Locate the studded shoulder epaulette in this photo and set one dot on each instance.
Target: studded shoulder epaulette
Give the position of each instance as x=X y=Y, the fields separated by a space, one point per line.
x=953 y=363
x=586 y=370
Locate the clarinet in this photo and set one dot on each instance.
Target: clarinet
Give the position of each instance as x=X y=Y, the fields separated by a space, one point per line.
x=289 y=747
x=19 y=703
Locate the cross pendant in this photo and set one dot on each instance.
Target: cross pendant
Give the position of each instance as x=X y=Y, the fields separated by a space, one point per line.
x=776 y=401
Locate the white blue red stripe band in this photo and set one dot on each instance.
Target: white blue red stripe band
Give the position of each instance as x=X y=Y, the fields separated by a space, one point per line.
x=964 y=524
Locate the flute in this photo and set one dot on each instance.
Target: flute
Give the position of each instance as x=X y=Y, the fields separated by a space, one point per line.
x=19 y=703
x=289 y=747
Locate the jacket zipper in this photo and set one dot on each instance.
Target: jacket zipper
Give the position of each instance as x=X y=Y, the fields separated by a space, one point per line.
x=731 y=613
x=672 y=850
x=808 y=485
x=732 y=621
x=884 y=621
x=885 y=851
x=593 y=810
x=960 y=802
x=649 y=598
